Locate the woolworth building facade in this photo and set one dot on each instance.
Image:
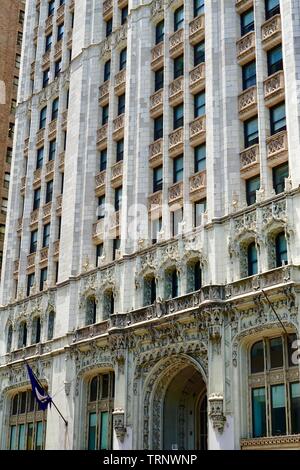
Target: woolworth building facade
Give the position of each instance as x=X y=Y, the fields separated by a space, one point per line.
x=151 y=258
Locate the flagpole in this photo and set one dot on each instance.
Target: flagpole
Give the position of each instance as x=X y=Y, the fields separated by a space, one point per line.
x=65 y=421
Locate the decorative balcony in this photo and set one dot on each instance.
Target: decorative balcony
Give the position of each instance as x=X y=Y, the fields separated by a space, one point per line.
x=60 y=14
x=117 y=174
x=274 y=89
x=48 y=24
x=246 y=48
x=157 y=56
x=156 y=103
x=176 y=193
x=52 y=128
x=277 y=149
x=47 y=210
x=176 y=43
x=100 y=183
x=64 y=120
x=44 y=255
x=176 y=91
x=46 y=60
x=198 y=131
x=271 y=32
x=35 y=34
x=176 y=142
x=91 y=331
x=107 y=9
x=98 y=230
x=249 y=160
x=118 y=127
x=56 y=249
x=197 y=78
x=34 y=216
x=19 y=224
x=102 y=137
x=58 y=49
x=243 y=5
x=16 y=266
x=49 y=170
x=40 y=137
x=37 y=177
x=31 y=260
x=156 y=153
x=115 y=223
x=70 y=39
x=59 y=199
x=122 y=3
x=197 y=29
x=104 y=93
x=26 y=147
x=248 y=103
x=32 y=69
x=23 y=185
x=198 y=185
x=72 y=5
x=120 y=82
x=61 y=159
x=155 y=201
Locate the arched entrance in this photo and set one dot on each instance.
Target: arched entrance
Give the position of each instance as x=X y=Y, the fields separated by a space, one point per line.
x=185 y=412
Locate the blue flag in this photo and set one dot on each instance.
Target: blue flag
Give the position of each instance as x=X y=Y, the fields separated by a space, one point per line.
x=41 y=396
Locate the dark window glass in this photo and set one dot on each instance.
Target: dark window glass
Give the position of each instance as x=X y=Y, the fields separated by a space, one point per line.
x=103 y=159
x=257 y=357
x=123 y=58
x=105 y=111
x=51 y=319
x=249 y=75
x=51 y=7
x=30 y=282
x=33 y=241
x=57 y=68
x=199 y=53
x=54 y=113
x=199 y=209
x=124 y=14
x=252 y=185
x=109 y=27
x=36 y=198
x=247 y=22
x=116 y=246
x=48 y=42
x=275 y=62
x=101 y=207
x=200 y=158
x=178 y=169
x=120 y=150
x=49 y=191
x=178 y=18
x=259 y=412
x=251 y=132
x=159 y=79
x=198 y=7
x=106 y=71
x=118 y=198
x=158 y=127
x=52 y=149
x=279 y=174
x=121 y=104
x=199 y=104
x=159 y=32
x=252 y=259
x=278 y=410
x=272 y=8
x=156 y=228
x=197 y=276
x=157 y=178
x=39 y=157
x=43 y=117
x=295 y=407
x=99 y=252
x=276 y=352
x=178 y=66
x=281 y=250
x=174 y=280
x=60 y=32
x=46 y=235
x=277 y=118
x=178 y=116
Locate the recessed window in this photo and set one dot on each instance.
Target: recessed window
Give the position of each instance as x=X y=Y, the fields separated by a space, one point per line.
x=281 y=250
x=48 y=42
x=43 y=117
x=54 y=112
x=159 y=32
x=199 y=53
x=252 y=185
x=178 y=116
x=36 y=199
x=116 y=247
x=275 y=63
x=103 y=159
x=149 y=290
x=272 y=8
x=46 y=235
x=249 y=75
x=51 y=7
x=46 y=77
x=120 y=150
x=52 y=149
x=39 y=158
x=49 y=191
x=178 y=18
x=198 y=7
x=30 y=282
x=43 y=280
x=57 y=68
x=99 y=253
x=118 y=198
x=33 y=241
x=252 y=259
x=251 y=132
x=107 y=70
x=199 y=104
x=247 y=22
x=124 y=14
x=108 y=27
x=121 y=104
x=60 y=31
x=159 y=79
x=280 y=173
x=158 y=127
x=18 y=61
x=6 y=180
x=105 y=111
x=123 y=58
x=178 y=66
x=277 y=118
x=199 y=210
x=155 y=229
x=178 y=169
x=200 y=158
x=157 y=178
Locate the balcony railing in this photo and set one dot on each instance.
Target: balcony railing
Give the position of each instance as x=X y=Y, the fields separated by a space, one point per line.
x=156 y=103
x=31 y=260
x=175 y=192
x=52 y=127
x=48 y=23
x=49 y=168
x=176 y=91
x=198 y=130
x=91 y=331
x=271 y=32
x=198 y=182
x=248 y=103
x=156 y=152
x=64 y=119
x=60 y=13
x=46 y=59
x=16 y=265
x=277 y=148
x=246 y=48
x=197 y=29
x=102 y=136
x=176 y=141
x=243 y=5
x=120 y=81
x=116 y=174
x=249 y=160
x=56 y=247
x=40 y=137
x=176 y=43
x=157 y=54
x=274 y=88
x=37 y=176
x=44 y=254
x=59 y=199
x=98 y=229
x=197 y=78
x=100 y=182
x=58 y=49
x=107 y=8
x=34 y=216
x=118 y=126
x=104 y=92
x=155 y=200
x=61 y=158
x=47 y=210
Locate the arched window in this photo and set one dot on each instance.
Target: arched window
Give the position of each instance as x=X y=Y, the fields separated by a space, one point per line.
x=100 y=407
x=91 y=311
x=51 y=318
x=108 y=304
x=22 y=340
x=36 y=330
x=9 y=338
x=27 y=423
x=172 y=283
x=252 y=259
x=275 y=391
x=281 y=250
x=194 y=276
x=149 y=290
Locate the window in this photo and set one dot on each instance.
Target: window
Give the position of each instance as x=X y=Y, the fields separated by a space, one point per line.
x=51 y=319
x=249 y=75
x=171 y=285
x=60 y=31
x=275 y=402
x=118 y=198
x=120 y=150
x=121 y=104
x=194 y=276
x=199 y=104
x=46 y=76
x=178 y=116
x=158 y=127
x=176 y=219
x=105 y=111
x=200 y=158
x=4 y=205
x=30 y=282
x=116 y=247
x=178 y=18
x=155 y=228
x=198 y=7
x=279 y=174
x=251 y=132
x=27 y=423
x=16 y=84
x=8 y=155
x=9 y=339
x=108 y=28
x=252 y=185
x=247 y=22
x=106 y=70
x=99 y=253
x=252 y=259
x=58 y=227
x=46 y=235
x=101 y=207
x=281 y=250
x=39 y=157
x=99 y=408
x=33 y=241
x=275 y=62
x=13 y=106
x=199 y=209
x=51 y=7
x=124 y=14
x=199 y=53
x=91 y=311
x=272 y=8
x=159 y=79
x=48 y=42
x=36 y=328
x=49 y=191
x=178 y=169
x=178 y=66
x=109 y=302
x=103 y=159
x=36 y=198
x=43 y=117
x=56 y=271
x=19 y=38
x=157 y=178
x=57 y=68
x=21 y=16
x=11 y=130
x=149 y=290
x=18 y=61
x=54 y=113
x=52 y=150
x=159 y=32
x=123 y=58
x=277 y=118
x=6 y=180
x=22 y=339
